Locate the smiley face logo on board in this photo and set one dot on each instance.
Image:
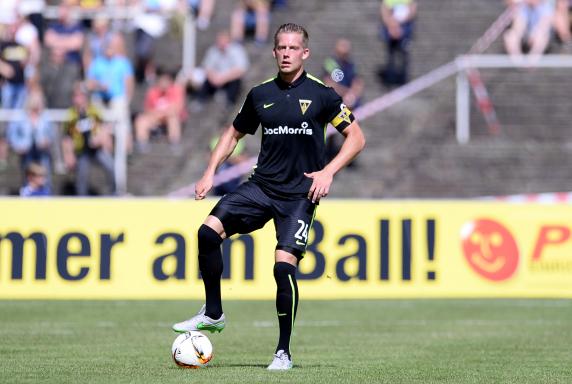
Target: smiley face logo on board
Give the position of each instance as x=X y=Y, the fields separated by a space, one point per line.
x=490 y=249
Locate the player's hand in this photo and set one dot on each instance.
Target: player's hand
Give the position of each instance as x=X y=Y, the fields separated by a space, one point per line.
x=321 y=182
x=203 y=186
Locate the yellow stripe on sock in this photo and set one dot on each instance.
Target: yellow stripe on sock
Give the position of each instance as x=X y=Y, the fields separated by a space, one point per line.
x=293 y=308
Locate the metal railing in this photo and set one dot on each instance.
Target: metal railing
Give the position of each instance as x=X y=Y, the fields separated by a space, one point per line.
x=467 y=62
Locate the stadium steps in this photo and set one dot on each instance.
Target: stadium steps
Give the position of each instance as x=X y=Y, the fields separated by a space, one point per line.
x=530 y=104
x=11 y=177
x=492 y=168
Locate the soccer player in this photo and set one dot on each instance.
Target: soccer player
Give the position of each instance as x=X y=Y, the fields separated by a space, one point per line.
x=291 y=177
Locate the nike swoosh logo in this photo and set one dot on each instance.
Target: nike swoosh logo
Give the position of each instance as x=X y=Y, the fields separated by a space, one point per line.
x=268 y=105
x=300 y=243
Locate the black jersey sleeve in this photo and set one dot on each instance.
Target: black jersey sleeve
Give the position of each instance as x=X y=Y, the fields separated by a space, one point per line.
x=247 y=120
x=337 y=113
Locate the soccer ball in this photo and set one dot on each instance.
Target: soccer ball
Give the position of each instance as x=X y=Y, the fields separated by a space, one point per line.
x=192 y=350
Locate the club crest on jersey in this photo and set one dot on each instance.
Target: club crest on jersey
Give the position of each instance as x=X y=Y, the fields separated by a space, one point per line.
x=304 y=105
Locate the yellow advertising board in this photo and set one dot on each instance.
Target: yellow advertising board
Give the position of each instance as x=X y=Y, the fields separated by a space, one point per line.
x=147 y=249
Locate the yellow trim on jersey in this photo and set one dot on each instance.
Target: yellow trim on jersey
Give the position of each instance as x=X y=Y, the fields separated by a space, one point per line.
x=268 y=80
x=315 y=79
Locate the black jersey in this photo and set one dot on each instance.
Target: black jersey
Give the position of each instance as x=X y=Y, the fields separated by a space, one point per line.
x=294 y=118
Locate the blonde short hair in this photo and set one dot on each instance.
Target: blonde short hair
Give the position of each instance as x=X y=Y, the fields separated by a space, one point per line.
x=291 y=27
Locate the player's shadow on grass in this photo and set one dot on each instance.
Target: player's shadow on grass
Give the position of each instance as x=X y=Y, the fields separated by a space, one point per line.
x=254 y=365
x=242 y=365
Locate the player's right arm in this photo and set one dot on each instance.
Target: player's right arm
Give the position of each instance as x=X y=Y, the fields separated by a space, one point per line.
x=246 y=122
x=224 y=148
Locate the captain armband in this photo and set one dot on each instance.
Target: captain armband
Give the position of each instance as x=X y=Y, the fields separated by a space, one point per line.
x=344 y=118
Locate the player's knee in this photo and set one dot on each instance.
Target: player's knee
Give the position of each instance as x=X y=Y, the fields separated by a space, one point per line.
x=209 y=239
x=283 y=270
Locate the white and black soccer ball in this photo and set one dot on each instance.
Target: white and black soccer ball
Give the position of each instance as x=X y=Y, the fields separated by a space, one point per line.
x=192 y=350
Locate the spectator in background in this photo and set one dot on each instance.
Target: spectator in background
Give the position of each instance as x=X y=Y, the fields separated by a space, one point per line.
x=561 y=24
x=279 y=4
x=398 y=17
x=34 y=11
x=224 y=66
x=8 y=11
x=90 y=6
x=35 y=184
x=340 y=73
x=27 y=35
x=58 y=78
x=33 y=137
x=67 y=34
x=110 y=77
x=251 y=16
x=13 y=59
x=96 y=40
x=531 y=25
x=164 y=107
x=87 y=141
x=203 y=11
x=124 y=24
x=151 y=25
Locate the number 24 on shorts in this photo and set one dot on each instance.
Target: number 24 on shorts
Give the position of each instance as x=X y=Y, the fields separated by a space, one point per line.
x=302 y=233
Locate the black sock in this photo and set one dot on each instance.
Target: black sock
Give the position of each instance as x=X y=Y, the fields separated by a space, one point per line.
x=210 y=265
x=286 y=302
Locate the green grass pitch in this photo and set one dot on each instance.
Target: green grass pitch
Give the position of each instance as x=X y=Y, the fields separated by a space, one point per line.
x=374 y=341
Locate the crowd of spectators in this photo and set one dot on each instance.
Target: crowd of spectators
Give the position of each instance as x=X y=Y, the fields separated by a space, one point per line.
x=80 y=57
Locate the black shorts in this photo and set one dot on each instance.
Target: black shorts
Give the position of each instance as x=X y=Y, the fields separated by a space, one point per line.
x=249 y=208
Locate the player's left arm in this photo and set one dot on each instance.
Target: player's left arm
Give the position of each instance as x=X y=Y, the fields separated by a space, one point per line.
x=322 y=180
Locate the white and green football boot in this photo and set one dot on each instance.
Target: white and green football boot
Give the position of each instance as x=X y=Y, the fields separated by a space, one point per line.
x=281 y=362
x=200 y=322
